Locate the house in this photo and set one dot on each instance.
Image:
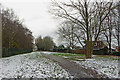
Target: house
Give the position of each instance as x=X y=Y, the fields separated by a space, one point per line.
x=78 y=50
x=117 y=48
x=98 y=45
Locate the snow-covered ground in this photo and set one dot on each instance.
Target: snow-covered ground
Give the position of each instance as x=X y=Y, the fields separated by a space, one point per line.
x=30 y=65
x=45 y=52
x=102 y=65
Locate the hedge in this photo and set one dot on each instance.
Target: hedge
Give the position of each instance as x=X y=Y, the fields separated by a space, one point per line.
x=6 y=52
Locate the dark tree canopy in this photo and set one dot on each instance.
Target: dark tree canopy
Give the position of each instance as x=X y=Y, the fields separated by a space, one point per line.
x=45 y=44
x=14 y=34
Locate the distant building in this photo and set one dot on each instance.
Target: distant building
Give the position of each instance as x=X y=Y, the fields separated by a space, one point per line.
x=82 y=50
x=98 y=45
x=117 y=48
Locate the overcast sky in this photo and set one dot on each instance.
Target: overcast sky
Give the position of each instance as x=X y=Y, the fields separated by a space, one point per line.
x=35 y=15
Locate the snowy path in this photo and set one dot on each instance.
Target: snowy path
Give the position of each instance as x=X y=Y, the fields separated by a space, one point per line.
x=73 y=68
x=30 y=65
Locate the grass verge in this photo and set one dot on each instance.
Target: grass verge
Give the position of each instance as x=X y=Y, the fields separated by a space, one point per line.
x=70 y=56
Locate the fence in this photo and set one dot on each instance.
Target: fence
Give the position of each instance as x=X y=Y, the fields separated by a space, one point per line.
x=6 y=52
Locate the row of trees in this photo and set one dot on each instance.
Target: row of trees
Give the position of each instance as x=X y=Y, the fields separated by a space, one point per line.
x=44 y=44
x=61 y=48
x=15 y=36
x=85 y=22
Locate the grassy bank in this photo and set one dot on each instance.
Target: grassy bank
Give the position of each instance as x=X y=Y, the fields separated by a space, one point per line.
x=82 y=56
x=70 y=56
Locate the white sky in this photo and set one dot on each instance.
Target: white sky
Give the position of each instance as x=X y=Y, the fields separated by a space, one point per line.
x=35 y=15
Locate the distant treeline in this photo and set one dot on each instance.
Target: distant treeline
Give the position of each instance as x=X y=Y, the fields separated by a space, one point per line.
x=16 y=38
x=44 y=44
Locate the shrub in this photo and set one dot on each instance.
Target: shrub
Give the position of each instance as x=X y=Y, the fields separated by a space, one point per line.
x=116 y=53
x=103 y=51
x=6 y=52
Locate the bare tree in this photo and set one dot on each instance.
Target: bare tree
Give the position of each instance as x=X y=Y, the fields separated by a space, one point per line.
x=88 y=15
x=110 y=33
x=15 y=35
x=116 y=22
x=119 y=26
x=44 y=44
x=39 y=43
x=69 y=33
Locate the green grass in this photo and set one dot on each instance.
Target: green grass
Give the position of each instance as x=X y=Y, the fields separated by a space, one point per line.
x=76 y=58
x=82 y=56
x=67 y=54
x=71 y=56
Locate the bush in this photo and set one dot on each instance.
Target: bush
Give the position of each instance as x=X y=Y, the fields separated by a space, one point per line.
x=116 y=53
x=60 y=48
x=103 y=51
x=6 y=52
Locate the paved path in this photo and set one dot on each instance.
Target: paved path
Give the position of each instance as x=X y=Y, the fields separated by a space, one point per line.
x=73 y=68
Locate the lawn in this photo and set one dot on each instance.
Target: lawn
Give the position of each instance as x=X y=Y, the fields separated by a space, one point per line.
x=67 y=54
x=70 y=56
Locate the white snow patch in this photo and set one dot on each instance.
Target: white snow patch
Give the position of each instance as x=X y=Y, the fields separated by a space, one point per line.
x=64 y=57
x=45 y=52
x=102 y=66
x=30 y=65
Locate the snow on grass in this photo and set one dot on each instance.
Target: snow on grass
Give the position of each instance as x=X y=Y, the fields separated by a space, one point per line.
x=46 y=52
x=102 y=65
x=65 y=57
x=32 y=65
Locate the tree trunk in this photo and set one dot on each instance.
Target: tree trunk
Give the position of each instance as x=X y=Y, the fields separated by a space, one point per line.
x=89 y=50
x=110 y=33
x=119 y=26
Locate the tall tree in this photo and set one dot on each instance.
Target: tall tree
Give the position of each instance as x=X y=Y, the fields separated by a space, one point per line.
x=44 y=44
x=48 y=43
x=68 y=32
x=14 y=34
x=39 y=43
x=88 y=15
x=108 y=23
x=119 y=26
